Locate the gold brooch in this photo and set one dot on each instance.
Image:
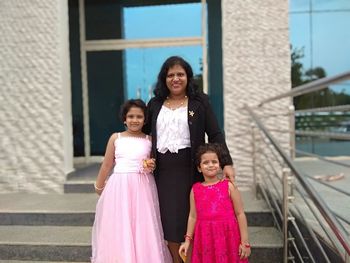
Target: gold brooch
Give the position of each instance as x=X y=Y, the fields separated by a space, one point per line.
x=191 y=113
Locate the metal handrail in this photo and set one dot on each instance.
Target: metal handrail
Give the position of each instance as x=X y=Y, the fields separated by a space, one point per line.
x=326 y=109
x=317 y=200
x=328 y=185
x=333 y=135
x=310 y=87
x=323 y=158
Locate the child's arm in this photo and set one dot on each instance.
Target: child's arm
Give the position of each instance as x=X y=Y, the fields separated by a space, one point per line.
x=106 y=166
x=244 y=249
x=192 y=218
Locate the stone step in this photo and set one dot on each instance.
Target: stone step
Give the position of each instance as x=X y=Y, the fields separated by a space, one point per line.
x=72 y=243
x=79 y=209
x=45 y=243
x=79 y=186
x=48 y=209
x=82 y=179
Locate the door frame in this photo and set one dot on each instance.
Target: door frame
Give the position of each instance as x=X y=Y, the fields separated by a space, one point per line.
x=121 y=44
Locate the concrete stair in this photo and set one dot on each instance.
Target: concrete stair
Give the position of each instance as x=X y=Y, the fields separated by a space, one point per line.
x=57 y=227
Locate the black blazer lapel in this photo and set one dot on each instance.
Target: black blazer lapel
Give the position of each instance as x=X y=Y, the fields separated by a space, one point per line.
x=191 y=114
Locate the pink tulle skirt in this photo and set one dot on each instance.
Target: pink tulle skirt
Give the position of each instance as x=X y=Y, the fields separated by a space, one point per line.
x=127 y=225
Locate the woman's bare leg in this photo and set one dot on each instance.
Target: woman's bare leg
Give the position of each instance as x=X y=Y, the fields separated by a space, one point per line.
x=174 y=251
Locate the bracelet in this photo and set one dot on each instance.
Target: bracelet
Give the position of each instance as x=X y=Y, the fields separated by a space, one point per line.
x=246 y=244
x=98 y=189
x=188 y=237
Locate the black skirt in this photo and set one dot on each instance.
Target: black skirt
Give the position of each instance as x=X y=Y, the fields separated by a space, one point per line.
x=174 y=184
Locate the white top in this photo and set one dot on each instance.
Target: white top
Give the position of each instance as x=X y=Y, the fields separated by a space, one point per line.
x=173 y=132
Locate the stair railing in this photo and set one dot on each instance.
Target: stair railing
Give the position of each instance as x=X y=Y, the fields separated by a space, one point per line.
x=268 y=154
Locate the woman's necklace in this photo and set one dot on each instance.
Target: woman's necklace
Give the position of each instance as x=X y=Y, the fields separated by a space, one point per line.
x=173 y=106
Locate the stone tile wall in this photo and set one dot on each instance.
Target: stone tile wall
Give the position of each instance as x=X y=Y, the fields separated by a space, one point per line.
x=256 y=62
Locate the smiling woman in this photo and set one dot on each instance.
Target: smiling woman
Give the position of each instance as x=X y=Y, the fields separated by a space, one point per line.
x=178 y=117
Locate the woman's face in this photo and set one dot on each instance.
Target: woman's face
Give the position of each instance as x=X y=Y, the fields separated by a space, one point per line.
x=176 y=81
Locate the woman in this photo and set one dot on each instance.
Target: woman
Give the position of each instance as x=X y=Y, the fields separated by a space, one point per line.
x=178 y=117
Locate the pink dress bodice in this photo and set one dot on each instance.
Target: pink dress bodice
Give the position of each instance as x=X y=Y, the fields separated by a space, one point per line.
x=130 y=152
x=213 y=202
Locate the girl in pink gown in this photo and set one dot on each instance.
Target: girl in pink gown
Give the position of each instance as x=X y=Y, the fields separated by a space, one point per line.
x=127 y=225
x=217 y=224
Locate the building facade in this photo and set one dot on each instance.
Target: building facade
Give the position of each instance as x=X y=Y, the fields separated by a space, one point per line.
x=63 y=75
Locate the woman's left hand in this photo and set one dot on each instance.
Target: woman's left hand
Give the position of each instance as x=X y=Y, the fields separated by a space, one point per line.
x=229 y=173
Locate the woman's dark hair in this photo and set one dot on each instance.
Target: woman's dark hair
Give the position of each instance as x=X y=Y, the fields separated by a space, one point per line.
x=162 y=91
x=124 y=109
x=209 y=147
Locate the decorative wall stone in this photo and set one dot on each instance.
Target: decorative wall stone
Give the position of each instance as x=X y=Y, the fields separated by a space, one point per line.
x=31 y=103
x=256 y=62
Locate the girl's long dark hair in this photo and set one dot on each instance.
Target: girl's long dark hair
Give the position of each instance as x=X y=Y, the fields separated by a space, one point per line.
x=161 y=91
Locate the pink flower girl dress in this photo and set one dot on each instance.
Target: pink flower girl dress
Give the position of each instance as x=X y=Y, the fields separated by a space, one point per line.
x=127 y=225
x=216 y=234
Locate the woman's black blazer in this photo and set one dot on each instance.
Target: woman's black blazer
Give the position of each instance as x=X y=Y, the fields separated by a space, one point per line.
x=201 y=121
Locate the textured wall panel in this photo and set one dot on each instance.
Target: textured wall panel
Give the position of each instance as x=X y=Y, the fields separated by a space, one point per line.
x=256 y=66
x=31 y=110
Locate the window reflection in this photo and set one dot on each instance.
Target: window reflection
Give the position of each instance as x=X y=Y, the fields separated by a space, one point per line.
x=181 y=20
x=300 y=37
x=321 y=33
x=299 y=5
x=330 y=5
x=143 y=65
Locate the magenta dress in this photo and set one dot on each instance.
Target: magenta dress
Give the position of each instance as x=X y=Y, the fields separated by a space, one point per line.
x=216 y=235
x=127 y=225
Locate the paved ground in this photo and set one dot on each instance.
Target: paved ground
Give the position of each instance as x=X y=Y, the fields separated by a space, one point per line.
x=337 y=201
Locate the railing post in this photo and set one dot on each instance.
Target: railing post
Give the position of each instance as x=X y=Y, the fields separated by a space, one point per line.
x=291 y=113
x=253 y=126
x=285 y=210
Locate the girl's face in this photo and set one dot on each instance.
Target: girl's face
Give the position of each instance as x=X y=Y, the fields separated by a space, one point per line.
x=209 y=165
x=176 y=80
x=135 y=119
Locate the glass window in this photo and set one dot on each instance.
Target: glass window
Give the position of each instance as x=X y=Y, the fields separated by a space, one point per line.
x=102 y=19
x=299 y=5
x=331 y=38
x=111 y=20
x=143 y=65
x=300 y=37
x=318 y=5
x=181 y=20
x=105 y=89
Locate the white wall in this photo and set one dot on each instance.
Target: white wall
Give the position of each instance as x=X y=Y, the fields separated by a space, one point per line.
x=256 y=62
x=35 y=135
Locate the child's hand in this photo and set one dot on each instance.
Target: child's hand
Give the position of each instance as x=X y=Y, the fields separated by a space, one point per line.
x=183 y=250
x=244 y=250
x=98 y=190
x=149 y=164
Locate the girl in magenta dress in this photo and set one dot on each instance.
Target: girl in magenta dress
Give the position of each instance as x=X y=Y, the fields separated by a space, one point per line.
x=127 y=225
x=217 y=224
